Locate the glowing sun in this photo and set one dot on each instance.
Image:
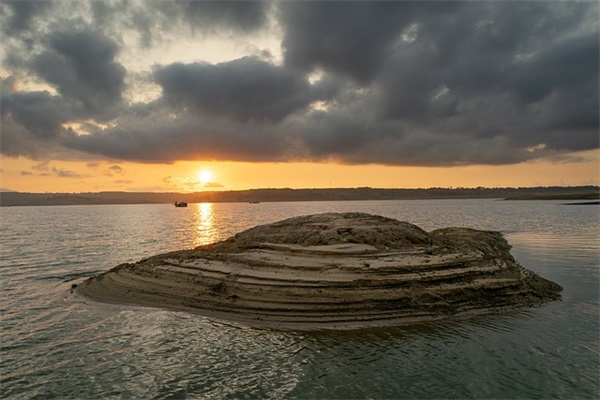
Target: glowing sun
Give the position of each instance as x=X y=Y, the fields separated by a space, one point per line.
x=204 y=176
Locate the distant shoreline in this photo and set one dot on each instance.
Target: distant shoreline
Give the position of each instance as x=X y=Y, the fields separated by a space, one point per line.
x=8 y=199
x=557 y=196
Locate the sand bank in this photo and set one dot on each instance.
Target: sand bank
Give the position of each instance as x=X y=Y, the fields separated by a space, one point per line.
x=332 y=271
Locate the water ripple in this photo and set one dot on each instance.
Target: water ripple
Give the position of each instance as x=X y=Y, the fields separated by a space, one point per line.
x=56 y=345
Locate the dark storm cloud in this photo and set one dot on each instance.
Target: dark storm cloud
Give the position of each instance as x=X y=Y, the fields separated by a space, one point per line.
x=156 y=21
x=570 y=62
x=560 y=88
x=401 y=83
x=82 y=66
x=245 y=89
x=487 y=83
x=31 y=121
x=351 y=38
x=19 y=15
x=162 y=137
x=237 y=15
x=40 y=113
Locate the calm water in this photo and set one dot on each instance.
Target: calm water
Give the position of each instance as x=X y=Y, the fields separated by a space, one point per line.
x=57 y=345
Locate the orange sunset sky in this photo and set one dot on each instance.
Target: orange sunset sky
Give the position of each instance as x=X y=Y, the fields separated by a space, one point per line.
x=192 y=96
x=76 y=176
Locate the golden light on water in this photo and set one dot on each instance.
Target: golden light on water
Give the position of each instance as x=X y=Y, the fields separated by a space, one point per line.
x=205 y=231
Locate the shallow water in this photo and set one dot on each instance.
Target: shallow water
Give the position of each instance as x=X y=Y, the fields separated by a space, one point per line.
x=56 y=345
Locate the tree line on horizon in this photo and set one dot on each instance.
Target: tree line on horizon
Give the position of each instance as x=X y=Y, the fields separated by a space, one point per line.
x=288 y=194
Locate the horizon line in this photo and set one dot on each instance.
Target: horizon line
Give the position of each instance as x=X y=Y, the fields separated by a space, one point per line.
x=4 y=190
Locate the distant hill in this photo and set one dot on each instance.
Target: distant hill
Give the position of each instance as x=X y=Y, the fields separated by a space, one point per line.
x=286 y=194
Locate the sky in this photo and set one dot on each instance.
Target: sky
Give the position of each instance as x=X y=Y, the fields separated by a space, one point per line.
x=198 y=95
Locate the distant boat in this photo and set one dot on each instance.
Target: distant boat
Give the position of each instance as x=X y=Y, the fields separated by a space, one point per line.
x=180 y=204
x=254 y=202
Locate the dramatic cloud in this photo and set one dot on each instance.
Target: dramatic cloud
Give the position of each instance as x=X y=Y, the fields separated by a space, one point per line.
x=398 y=83
x=352 y=38
x=18 y=16
x=243 y=89
x=165 y=137
x=81 y=66
x=241 y=16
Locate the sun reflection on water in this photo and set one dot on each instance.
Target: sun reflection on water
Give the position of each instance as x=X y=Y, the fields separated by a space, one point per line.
x=205 y=231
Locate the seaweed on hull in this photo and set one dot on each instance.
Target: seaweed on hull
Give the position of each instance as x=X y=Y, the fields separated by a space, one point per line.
x=332 y=271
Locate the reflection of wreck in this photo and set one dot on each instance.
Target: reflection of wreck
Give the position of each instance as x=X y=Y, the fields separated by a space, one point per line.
x=180 y=204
